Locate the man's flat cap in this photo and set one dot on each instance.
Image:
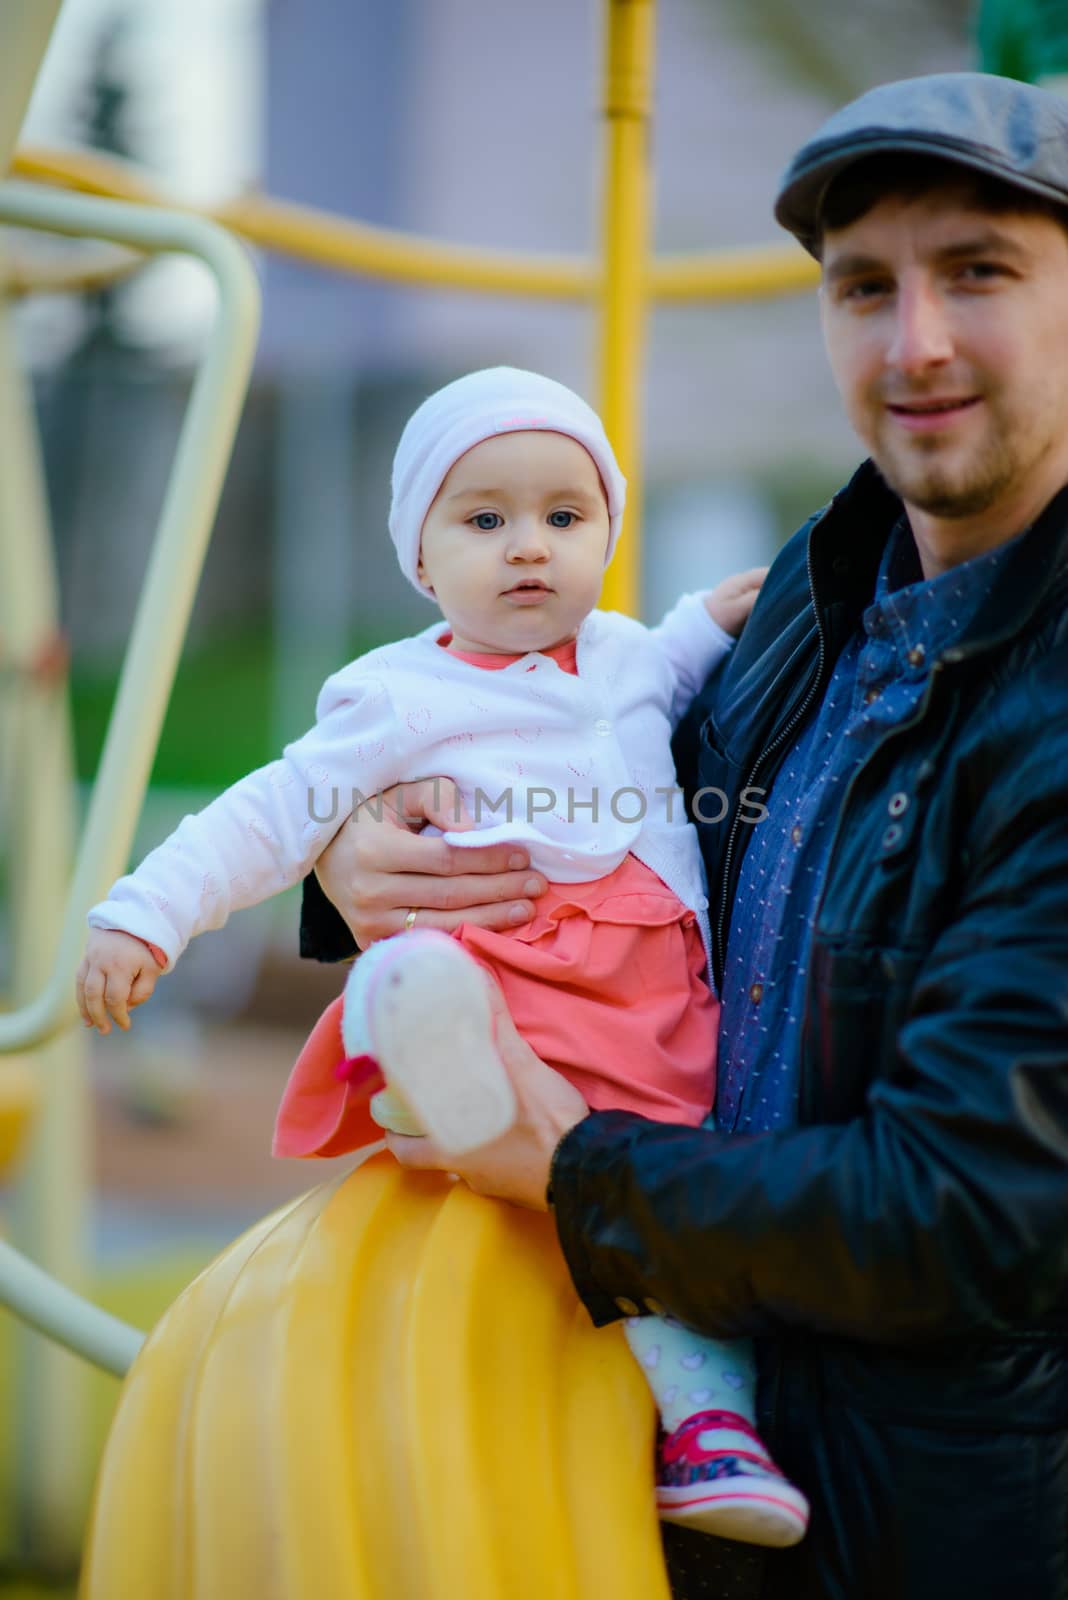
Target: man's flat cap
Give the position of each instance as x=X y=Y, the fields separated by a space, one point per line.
x=996 y=125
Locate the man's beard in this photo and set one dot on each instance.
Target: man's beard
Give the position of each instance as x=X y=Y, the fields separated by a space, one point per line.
x=951 y=490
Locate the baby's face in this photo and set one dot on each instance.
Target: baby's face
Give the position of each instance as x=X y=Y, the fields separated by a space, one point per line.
x=514 y=544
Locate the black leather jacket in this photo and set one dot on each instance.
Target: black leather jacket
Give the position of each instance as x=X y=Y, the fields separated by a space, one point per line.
x=902 y=1256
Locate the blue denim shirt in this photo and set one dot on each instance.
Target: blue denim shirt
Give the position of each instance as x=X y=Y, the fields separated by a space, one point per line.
x=877 y=682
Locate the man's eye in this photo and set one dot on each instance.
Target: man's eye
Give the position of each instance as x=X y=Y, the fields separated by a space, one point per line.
x=487 y=521
x=982 y=271
x=865 y=289
x=562 y=519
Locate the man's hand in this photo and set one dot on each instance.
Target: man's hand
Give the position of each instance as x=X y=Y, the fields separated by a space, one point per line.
x=377 y=868
x=117 y=973
x=516 y=1166
x=731 y=601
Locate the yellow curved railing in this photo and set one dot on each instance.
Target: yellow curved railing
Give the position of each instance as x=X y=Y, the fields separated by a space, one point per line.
x=338 y=244
x=623 y=284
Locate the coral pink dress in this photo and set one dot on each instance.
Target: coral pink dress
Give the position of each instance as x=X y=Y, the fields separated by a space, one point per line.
x=606 y=983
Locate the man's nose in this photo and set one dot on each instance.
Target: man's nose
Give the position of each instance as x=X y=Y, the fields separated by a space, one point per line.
x=922 y=336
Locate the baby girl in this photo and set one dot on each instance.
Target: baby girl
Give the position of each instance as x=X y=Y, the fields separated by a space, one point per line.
x=555 y=721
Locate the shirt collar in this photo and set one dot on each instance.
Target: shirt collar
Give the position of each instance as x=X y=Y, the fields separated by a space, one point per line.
x=922 y=617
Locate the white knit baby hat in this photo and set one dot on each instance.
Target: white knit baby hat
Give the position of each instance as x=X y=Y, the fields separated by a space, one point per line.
x=479 y=406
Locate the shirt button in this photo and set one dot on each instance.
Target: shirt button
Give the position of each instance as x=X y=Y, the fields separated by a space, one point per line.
x=899 y=804
x=628 y=1308
x=602 y=727
x=796 y=834
x=702 y=902
x=870 y=695
x=916 y=656
x=756 y=993
x=892 y=835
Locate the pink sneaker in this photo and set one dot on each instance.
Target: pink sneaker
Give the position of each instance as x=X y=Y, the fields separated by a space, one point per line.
x=731 y=1488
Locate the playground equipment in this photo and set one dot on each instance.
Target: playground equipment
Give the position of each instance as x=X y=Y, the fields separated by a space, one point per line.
x=388 y=1389
x=255 y=1435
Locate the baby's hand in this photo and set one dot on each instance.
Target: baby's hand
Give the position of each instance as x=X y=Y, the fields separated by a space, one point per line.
x=117 y=973
x=731 y=601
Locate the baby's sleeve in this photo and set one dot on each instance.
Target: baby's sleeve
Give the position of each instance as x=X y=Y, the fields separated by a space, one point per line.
x=692 y=644
x=266 y=831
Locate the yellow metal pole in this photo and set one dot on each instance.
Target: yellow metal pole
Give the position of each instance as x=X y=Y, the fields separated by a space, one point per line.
x=338 y=244
x=754 y=272
x=628 y=90
x=51 y=1202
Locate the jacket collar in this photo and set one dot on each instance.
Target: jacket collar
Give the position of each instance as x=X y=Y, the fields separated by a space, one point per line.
x=846 y=546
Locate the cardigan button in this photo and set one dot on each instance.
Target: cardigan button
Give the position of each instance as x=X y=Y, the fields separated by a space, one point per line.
x=628 y=1308
x=655 y=1309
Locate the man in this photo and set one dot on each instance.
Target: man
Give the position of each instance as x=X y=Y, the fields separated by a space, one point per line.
x=885 y=1202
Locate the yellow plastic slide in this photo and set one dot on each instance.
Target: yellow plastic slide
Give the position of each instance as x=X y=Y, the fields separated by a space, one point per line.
x=386 y=1391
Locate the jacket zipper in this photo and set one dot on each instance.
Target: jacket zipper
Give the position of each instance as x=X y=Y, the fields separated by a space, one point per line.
x=720 y=947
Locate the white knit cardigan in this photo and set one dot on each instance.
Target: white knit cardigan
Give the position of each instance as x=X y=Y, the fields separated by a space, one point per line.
x=582 y=763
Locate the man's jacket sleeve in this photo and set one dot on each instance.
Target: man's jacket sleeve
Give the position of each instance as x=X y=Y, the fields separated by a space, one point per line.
x=324 y=933
x=942 y=1208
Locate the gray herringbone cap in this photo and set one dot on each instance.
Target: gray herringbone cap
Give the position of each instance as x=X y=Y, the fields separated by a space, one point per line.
x=1011 y=130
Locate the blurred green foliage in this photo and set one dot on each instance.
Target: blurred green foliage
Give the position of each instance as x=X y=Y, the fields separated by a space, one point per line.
x=219 y=720
x=1025 y=39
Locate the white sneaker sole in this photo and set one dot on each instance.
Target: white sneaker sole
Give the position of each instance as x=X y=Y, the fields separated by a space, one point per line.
x=430 y=1023
x=775 y=1515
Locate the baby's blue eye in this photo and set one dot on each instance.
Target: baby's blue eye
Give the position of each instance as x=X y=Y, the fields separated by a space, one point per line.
x=561 y=519
x=487 y=521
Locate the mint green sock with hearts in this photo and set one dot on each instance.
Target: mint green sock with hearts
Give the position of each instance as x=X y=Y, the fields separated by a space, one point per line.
x=688 y=1373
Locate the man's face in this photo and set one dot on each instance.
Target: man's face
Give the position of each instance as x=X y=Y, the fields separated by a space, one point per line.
x=947 y=331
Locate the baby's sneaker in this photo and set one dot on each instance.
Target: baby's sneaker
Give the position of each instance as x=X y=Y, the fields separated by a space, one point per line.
x=417 y=1006
x=714 y=1474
